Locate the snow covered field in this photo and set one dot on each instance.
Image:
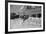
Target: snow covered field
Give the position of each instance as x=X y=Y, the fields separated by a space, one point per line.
x=29 y=23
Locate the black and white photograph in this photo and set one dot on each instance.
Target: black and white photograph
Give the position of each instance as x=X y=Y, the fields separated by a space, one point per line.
x=22 y=17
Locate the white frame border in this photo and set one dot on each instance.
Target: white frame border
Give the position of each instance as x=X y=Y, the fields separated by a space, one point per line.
x=25 y=28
